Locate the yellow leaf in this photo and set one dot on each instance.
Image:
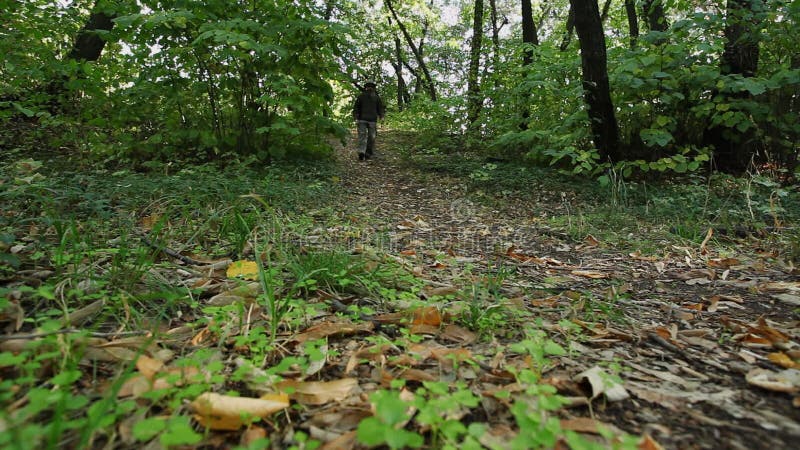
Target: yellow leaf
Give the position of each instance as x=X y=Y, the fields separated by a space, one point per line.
x=783 y=360
x=225 y=412
x=244 y=269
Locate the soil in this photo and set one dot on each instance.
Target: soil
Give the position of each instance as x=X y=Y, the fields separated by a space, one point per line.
x=683 y=329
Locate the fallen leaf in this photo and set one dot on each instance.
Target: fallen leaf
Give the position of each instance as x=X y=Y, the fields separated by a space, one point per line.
x=247 y=270
x=333 y=328
x=602 y=383
x=723 y=263
x=251 y=435
x=785 y=381
x=783 y=360
x=225 y=412
x=648 y=443
x=318 y=392
x=586 y=425
x=591 y=241
x=428 y=315
x=148 y=366
x=594 y=274
x=441 y=291
x=347 y=440
x=459 y=334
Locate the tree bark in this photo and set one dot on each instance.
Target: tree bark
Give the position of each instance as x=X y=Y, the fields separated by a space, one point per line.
x=88 y=45
x=734 y=150
x=474 y=100
x=495 y=36
x=570 y=27
x=530 y=37
x=654 y=12
x=633 y=22
x=595 y=78
x=428 y=80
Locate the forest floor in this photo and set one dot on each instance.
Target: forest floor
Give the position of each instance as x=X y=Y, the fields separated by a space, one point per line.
x=696 y=335
x=404 y=301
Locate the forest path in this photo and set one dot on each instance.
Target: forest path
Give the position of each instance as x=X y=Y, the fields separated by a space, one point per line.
x=692 y=333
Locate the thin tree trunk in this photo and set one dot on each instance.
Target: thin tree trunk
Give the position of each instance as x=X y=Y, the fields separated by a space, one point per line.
x=633 y=21
x=402 y=90
x=88 y=45
x=428 y=80
x=656 y=17
x=734 y=150
x=595 y=78
x=604 y=14
x=495 y=37
x=570 y=27
x=529 y=36
x=474 y=100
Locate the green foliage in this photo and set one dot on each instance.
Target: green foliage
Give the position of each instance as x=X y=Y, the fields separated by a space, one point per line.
x=391 y=412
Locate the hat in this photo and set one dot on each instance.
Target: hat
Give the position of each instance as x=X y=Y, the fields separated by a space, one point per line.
x=370 y=83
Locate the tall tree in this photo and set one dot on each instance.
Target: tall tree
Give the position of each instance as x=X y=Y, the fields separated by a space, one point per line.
x=734 y=149
x=633 y=22
x=428 y=80
x=89 y=44
x=474 y=100
x=655 y=15
x=529 y=35
x=595 y=78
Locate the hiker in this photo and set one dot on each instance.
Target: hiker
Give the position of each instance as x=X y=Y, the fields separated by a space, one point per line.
x=366 y=111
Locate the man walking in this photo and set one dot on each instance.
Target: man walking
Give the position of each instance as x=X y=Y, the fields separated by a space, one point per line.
x=366 y=111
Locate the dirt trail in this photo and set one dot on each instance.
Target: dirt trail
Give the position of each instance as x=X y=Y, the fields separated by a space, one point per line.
x=694 y=335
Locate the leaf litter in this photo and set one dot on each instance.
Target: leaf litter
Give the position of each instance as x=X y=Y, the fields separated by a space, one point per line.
x=675 y=349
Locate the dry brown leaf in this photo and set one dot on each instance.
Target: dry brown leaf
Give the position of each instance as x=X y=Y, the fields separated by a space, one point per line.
x=345 y=441
x=429 y=330
x=593 y=274
x=318 y=392
x=251 y=435
x=586 y=425
x=459 y=334
x=601 y=383
x=591 y=241
x=448 y=356
x=336 y=328
x=225 y=412
x=786 y=381
x=148 y=366
x=428 y=315
x=417 y=375
x=441 y=291
x=648 y=443
x=723 y=263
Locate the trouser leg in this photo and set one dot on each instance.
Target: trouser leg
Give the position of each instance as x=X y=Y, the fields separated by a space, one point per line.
x=363 y=135
x=372 y=134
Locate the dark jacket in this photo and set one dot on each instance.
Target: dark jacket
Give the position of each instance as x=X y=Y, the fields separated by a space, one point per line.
x=368 y=107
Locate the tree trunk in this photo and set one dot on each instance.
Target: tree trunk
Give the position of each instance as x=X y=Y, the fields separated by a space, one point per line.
x=88 y=45
x=529 y=36
x=633 y=21
x=428 y=80
x=474 y=100
x=595 y=78
x=654 y=12
x=402 y=89
x=734 y=150
x=568 y=34
x=495 y=37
